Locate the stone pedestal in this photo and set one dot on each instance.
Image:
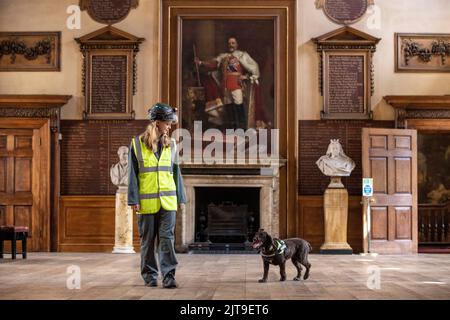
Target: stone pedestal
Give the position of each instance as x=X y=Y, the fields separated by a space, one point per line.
x=124 y=224
x=336 y=212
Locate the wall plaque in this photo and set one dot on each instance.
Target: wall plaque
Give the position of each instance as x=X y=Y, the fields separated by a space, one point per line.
x=346 y=73
x=109 y=73
x=30 y=51
x=344 y=11
x=89 y=149
x=108 y=83
x=345 y=92
x=422 y=52
x=108 y=11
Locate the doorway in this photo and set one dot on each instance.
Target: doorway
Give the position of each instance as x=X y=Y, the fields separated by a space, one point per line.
x=25 y=179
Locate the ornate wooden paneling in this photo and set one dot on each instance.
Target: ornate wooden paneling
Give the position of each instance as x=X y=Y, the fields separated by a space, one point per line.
x=87 y=224
x=311 y=222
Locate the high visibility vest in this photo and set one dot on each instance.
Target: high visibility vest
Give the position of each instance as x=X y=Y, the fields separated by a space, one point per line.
x=156 y=185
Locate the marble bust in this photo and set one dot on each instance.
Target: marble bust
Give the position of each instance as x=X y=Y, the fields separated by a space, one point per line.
x=335 y=163
x=119 y=171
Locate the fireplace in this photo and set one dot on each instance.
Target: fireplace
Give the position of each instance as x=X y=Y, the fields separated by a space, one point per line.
x=226 y=215
x=226 y=205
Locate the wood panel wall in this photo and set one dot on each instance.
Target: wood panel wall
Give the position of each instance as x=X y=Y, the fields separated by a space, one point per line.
x=311 y=222
x=86 y=224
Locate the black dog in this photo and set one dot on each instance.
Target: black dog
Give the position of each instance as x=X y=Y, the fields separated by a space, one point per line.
x=277 y=252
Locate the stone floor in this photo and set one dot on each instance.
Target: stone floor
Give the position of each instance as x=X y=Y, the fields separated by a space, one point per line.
x=228 y=277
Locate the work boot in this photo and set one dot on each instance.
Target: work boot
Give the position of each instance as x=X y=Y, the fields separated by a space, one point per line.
x=152 y=283
x=169 y=281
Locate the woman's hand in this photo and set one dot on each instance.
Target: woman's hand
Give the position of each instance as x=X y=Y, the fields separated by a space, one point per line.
x=136 y=208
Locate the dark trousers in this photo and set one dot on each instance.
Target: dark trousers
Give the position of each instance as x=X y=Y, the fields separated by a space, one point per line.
x=150 y=226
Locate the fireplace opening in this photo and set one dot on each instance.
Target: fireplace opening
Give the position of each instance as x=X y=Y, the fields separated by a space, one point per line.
x=226 y=217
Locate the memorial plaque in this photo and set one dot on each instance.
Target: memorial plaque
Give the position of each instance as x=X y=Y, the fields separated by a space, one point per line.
x=314 y=137
x=109 y=84
x=346 y=84
x=108 y=11
x=346 y=73
x=344 y=11
x=346 y=93
x=109 y=73
x=89 y=149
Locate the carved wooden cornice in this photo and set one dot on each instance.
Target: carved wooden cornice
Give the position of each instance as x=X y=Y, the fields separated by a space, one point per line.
x=34 y=106
x=419 y=107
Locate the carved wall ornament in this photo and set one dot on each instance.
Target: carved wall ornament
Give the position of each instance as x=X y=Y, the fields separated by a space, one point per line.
x=30 y=51
x=422 y=52
x=344 y=12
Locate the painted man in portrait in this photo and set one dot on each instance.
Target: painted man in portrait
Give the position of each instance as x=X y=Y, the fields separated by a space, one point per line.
x=233 y=85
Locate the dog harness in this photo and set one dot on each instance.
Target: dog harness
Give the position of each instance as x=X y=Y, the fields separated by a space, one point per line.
x=279 y=248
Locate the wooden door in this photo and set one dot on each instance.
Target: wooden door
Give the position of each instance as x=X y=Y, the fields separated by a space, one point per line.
x=389 y=156
x=24 y=179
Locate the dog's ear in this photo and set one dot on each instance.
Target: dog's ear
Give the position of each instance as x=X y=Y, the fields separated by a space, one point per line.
x=261 y=230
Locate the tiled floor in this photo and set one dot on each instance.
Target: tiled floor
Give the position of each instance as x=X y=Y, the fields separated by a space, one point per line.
x=234 y=277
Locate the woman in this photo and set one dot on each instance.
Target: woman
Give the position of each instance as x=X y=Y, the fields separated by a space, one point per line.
x=155 y=190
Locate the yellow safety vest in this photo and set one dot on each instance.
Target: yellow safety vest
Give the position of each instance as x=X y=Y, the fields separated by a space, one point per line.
x=156 y=185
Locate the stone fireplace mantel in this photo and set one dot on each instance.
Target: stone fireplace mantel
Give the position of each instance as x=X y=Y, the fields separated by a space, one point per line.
x=263 y=176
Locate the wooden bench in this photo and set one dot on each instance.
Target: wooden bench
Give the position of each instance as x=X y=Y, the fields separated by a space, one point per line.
x=14 y=233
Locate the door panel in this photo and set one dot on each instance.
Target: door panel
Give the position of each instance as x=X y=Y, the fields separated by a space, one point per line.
x=2 y=174
x=390 y=158
x=403 y=217
x=22 y=174
x=379 y=165
x=403 y=175
x=20 y=183
x=379 y=217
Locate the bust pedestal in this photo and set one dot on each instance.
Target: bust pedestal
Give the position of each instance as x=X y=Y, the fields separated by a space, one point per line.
x=335 y=206
x=124 y=223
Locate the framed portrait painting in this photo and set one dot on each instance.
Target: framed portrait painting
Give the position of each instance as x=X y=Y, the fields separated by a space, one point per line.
x=232 y=65
x=226 y=65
